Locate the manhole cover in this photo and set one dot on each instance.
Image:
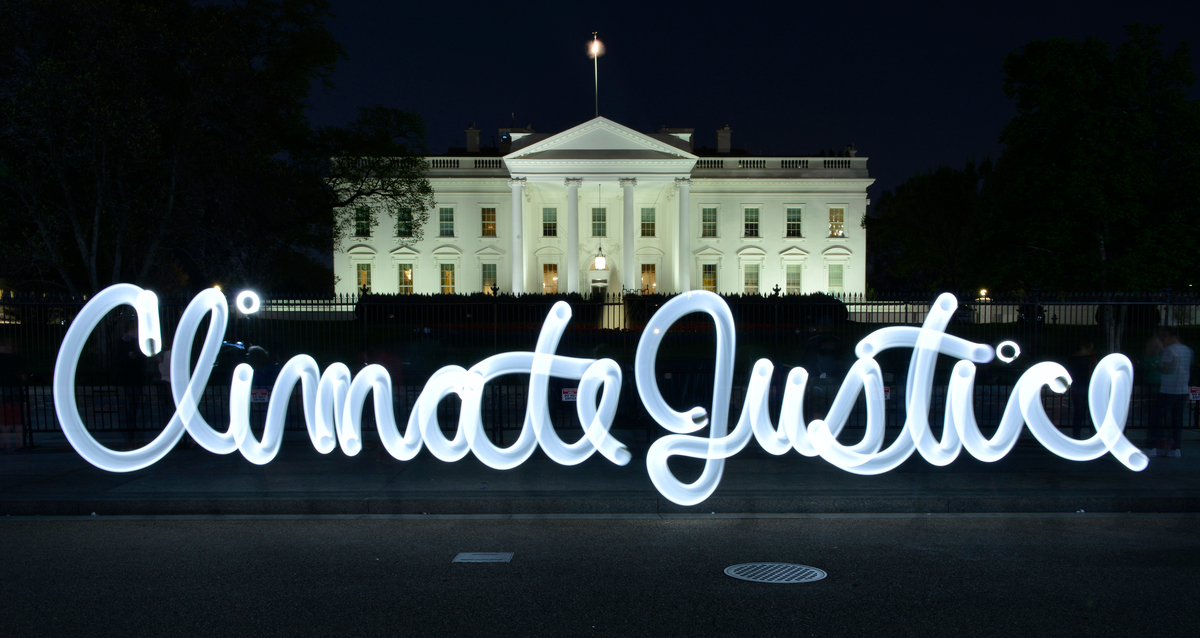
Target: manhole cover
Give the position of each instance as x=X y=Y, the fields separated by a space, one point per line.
x=483 y=557
x=775 y=573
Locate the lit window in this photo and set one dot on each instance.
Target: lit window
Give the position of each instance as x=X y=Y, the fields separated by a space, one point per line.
x=549 y=279
x=795 y=279
x=489 y=278
x=489 y=222
x=835 y=277
x=647 y=222
x=364 y=277
x=708 y=279
x=406 y=279
x=404 y=222
x=362 y=222
x=599 y=222
x=750 y=279
x=751 y=222
x=445 y=222
x=793 y=222
x=708 y=222
x=649 y=279
x=837 y=219
x=549 y=222
x=447 y=279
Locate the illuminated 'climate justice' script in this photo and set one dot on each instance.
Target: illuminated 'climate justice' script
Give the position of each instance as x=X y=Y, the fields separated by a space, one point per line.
x=333 y=400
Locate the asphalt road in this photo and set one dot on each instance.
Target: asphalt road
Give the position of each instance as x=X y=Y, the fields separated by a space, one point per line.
x=915 y=576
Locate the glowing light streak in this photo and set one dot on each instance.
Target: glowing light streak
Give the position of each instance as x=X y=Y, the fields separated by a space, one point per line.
x=1016 y=351
x=248 y=302
x=1109 y=394
x=333 y=402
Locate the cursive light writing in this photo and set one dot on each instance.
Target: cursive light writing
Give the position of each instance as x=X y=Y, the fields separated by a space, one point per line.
x=333 y=401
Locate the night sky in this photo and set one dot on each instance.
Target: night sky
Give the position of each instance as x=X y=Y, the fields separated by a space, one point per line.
x=912 y=88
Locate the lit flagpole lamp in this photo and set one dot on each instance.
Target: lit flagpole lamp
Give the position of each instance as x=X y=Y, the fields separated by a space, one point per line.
x=598 y=274
x=595 y=50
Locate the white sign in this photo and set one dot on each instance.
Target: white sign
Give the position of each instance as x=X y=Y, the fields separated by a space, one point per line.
x=259 y=395
x=887 y=393
x=570 y=394
x=1194 y=393
x=333 y=400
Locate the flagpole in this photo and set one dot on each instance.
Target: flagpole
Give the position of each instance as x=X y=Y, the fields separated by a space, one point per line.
x=595 y=50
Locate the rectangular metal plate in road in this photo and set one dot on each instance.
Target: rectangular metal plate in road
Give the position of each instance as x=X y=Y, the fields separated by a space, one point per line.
x=483 y=557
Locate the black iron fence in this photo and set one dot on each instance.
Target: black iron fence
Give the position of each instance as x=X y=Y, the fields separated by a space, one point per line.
x=414 y=335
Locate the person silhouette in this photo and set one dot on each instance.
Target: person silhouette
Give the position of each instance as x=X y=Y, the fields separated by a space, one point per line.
x=1175 y=365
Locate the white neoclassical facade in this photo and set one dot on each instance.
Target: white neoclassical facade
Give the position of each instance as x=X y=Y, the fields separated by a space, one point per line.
x=601 y=207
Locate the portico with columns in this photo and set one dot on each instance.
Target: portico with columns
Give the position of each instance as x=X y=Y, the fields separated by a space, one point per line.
x=601 y=208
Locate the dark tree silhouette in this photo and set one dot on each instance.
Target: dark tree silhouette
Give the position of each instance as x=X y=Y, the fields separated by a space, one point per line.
x=1099 y=183
x=156 y=141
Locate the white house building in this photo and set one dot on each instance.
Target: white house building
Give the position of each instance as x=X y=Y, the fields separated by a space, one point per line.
x=601 y=207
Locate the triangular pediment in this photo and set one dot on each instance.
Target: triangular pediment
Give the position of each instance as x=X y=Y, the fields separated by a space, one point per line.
x=793 y=251
x=405 y=251
x=489 y=251
x=600 y=138
x=707 y=251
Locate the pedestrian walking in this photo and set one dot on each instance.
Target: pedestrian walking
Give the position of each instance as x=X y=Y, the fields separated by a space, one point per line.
x=12 y=398
x=131 y=376
x=1175 y=365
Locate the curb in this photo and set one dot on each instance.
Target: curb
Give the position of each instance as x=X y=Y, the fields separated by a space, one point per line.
x=594 y=505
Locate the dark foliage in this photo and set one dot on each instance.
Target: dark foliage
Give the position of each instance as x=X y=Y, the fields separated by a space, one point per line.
x=164 y=143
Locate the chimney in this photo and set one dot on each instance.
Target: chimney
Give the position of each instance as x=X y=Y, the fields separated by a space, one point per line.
x=473 y=139
x=723 y=139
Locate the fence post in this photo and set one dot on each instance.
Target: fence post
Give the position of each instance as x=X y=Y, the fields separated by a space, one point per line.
x=26 y=417
x=1166 y=321
x=775 y=294
x=362 y=327
x=495 y=320
x=1037 y=315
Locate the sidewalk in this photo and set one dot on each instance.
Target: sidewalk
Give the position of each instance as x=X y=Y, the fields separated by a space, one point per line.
x=54 y=480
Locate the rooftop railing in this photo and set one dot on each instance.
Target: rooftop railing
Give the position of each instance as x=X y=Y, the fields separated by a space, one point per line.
x=857 y=166
x=784 y=166
x=734 y=167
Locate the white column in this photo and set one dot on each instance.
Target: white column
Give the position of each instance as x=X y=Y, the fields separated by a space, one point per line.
x=518 y=242
x=683 y=238
x=573 y=184
x=629 y=280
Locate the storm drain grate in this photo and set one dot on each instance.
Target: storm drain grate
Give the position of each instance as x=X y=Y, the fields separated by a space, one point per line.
x=483 y=557
x=775 y=573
